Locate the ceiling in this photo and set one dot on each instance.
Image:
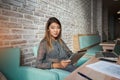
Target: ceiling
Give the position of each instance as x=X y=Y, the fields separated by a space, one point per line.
x=113 y=5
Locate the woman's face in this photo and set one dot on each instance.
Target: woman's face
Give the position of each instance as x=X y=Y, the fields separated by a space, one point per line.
x=54 y=30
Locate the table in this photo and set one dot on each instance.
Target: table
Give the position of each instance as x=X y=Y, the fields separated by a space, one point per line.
x=107 y=45
x=89 y=72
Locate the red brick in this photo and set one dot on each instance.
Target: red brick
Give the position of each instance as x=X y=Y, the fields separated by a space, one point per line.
x=24 y=50
x=4 y=31
x=33 y=41
x=26 y=11
x=29 y=59
x=14 y=25
x=31 y=37
x=31 y=17
x=1 y=43
x=24 y=21
x=39 y=13
x=16 y=31
x=10 y=37
x=9 y=25
x=28 y=55
x=12 y=13
x=13 y=19
x=30 y=26
x=4 y=44
x=20 y=42
x=4 y=6
x=4 y=18
x=27 y=64
x=13 y=2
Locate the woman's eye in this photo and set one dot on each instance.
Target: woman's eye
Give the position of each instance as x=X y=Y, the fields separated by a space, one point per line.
x=53 y=27
x=58 y=27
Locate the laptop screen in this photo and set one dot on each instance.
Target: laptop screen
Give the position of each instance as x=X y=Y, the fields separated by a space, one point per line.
x=117 y=47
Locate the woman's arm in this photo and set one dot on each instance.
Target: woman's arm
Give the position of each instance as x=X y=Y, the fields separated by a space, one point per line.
x=41 y=61
x=69 y=52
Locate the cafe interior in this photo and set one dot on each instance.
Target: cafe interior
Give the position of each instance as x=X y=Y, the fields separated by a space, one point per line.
x=89 y=27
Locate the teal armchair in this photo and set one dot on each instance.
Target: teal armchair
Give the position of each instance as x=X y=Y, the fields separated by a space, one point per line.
x=88 y=42
x=61 y=73
x=10 y=67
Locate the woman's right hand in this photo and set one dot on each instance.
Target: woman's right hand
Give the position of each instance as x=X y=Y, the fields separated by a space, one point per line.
x=65 y=63
x=62 y=64
x=57 y=65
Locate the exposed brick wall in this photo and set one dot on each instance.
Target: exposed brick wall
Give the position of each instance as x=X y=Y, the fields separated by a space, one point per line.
x=22 y=22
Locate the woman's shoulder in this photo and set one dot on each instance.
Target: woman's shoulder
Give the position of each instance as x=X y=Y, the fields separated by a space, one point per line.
x=62 y=41
x=43 y=41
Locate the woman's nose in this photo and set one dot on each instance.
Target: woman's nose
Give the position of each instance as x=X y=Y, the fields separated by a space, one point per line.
x=55 y=29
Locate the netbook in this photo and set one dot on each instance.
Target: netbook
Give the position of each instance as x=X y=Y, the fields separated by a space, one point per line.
x=76 y=56
x=114 y=54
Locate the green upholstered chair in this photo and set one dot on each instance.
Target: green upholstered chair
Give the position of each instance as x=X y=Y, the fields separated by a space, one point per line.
x=61 y=73
x=10 y=67
x=89 y=42
x=35 y=50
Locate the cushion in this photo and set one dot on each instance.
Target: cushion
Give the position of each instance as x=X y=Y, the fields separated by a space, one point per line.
x=2 y=77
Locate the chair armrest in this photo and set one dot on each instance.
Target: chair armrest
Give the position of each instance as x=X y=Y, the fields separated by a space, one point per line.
x=82 y=50
x=62 y=73
x=30 y=73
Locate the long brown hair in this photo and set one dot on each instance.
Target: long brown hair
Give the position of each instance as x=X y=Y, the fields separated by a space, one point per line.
x=47 y=34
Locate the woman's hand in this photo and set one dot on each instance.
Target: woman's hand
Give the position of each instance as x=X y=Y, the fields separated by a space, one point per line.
x=65 y=63
x=62 y=64
x=57 y=65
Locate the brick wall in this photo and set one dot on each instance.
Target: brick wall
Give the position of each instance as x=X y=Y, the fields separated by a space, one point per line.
x=22 y=22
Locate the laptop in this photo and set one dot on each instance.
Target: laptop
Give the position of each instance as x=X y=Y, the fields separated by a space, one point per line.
x=76 y=56
x=114 y=54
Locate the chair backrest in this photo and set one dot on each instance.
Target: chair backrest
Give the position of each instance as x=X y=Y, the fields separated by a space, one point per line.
x=35 y=50
x=117 y=47
x=85 y=41
x=9 y=57
x=10 y=62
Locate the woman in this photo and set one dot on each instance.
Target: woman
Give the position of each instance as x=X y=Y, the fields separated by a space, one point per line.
x=53 y=52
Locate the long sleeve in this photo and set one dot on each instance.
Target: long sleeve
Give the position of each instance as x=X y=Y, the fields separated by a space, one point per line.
x=69 y=52
x=45 y=58
x=41 y=57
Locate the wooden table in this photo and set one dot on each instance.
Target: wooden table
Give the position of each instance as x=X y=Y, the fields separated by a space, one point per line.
x=107 y=45
x=89 y=72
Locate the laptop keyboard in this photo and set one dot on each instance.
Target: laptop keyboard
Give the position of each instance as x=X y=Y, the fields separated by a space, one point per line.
x=109 y=54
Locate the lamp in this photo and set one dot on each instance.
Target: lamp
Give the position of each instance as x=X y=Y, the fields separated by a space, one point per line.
x=115 y=0
x=118 y=12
